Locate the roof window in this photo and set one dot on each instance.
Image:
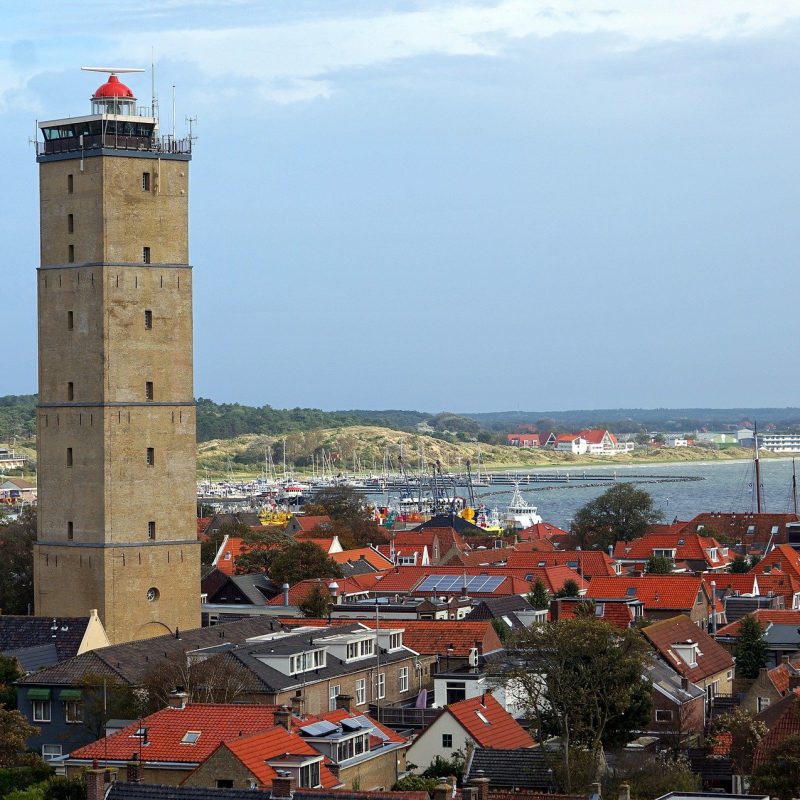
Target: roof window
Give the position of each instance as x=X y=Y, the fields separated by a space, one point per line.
x=190 y=737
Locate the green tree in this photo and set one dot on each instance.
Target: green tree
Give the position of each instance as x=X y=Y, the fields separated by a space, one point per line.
x=259 y=549
x=569 y=589
x=14 y=734
x=351 y=519
x=778 y=774
x=65 y=789
x=739 y=565
x=651 y=775
x=301 y=561
x=539 y=597
x=659 y=565
x=554 y=670
x=585 y=608
x=415 y=783
x=9 y=672
x=316 y=603
x=621 y=513
x=744 y=732
x=104 y=699
x=751 y=648
x=16 y=562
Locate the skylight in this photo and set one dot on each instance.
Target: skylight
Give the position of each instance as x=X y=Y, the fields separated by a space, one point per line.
x=190 y=737
x=482 y=718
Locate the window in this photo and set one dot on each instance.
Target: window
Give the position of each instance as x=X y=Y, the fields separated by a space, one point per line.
x=70 y=320
x=70 y=184
x=367 y=647
x=447 y=741
x=403 y=679
x=309 y=775
x=456 y=690
x=70 y=223
x=151 y=456
x=395 y=640
x=224 y=783
x=70 y=391
x=70 y=530
x=148 y=390
x=352 y=650
x=190 y=737
x=145 y=181
x=145 y=255
x=151 y=530
x=41 y=710
x=333 y=693
x=51 y=751
x=763 y=702
x=73 y=711
x=381 y=685
x=71 y=253
x=361 y=691
x=69 y=456
x=148 y=320
x=663 y=715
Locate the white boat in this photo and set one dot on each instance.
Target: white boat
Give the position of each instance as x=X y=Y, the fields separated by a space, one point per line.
x=520 y=514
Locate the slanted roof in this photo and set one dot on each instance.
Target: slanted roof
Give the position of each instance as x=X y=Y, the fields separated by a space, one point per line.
x=783 y=720
x=256 y=750
x=352 y=585
x=688 y=546
x=520 y=768
x=588 y=563
x=167 y=728
x=488 y=723
x=766 y=617
x=143 y=791
x=308 y=524
x=369 y=554
x=748 y=528
x=712 y=657
x=20 y=632
x=462 y=526
x=657 y=592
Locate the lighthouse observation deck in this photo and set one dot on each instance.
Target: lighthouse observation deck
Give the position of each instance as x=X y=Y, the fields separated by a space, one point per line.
x=115 y=124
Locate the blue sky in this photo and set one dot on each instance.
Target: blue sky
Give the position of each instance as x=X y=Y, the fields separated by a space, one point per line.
x=452 y=205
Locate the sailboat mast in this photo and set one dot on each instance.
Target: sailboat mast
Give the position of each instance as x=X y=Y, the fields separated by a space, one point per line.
x=794 y=487
x=758 y=468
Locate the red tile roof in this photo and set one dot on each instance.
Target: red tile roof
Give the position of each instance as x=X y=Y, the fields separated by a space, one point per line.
x=712 y=657
x=254 y=751
x=369 y=554
x=588 y=563
x=233 y=546
x=489 y=724
x=542 y=530
x=657 y=592
x=619 y=614
x=596 y=435
x=766 y=616
x=780 y=677
x=746 y=528
x=299 y=592
x=687 y=546
x=783 y=558
x=166 y=728
x=775 y=583
x=429 y=637
x=787 y=724
x=535 y=546
x=308 y=524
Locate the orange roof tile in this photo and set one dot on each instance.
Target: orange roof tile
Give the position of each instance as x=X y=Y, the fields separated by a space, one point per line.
x=308 y=524
x=299 y=592
x=216 y=723
x=619 y=614
x=373 y=557
x=489 y=724
x=766 y=616
x=686 y=546
x=589 y=563
x=668 y=592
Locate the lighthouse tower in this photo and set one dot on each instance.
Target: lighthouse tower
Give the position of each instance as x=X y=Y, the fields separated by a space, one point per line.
x=116 y=417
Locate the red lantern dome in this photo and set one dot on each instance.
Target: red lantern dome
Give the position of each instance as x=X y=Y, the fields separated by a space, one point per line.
x=113 y=88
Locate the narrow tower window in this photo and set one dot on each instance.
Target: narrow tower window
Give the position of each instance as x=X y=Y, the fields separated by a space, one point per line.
x=151 y=530
x=146 y=255
x=148 y=390
x=70 y=530
x=70 y=223
x=71 y=253
x=70 y=184
x=70 y=320
x=70 y=391
x=148 y=320
x=145 y=181
x=69 y=456
x=151 y=456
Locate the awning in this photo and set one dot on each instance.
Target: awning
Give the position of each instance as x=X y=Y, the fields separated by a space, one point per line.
x=38 y=694
x=69 y=694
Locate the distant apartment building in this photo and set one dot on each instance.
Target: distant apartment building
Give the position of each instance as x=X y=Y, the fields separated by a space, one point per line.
x=780 y=442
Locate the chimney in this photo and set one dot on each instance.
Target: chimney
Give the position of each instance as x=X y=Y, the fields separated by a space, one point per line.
x=685 y=684
x=625 y=791
x=443 y=791
x=286 y=594
x=282 y=786
x=178 y=698
x=133 y=771
x=555 y=609
x=482 y=785
x=298 y=705
x=333 y=589
x=283 y=717
x=98 y=781
x=344 y=701
x=469 y=793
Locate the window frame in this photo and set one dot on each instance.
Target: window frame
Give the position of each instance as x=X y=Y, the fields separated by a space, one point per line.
x=361 y=691
x=381 y=686
x=402 y=679
x=39 y=708
x=73 y=712
x=447 y=741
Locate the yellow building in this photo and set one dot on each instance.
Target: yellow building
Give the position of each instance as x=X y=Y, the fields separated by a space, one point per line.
x=116 y=427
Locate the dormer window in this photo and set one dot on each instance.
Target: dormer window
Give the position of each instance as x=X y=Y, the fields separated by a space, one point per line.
x=395 y=641
x=687 y=652
x=360 y=649
x=303 y=662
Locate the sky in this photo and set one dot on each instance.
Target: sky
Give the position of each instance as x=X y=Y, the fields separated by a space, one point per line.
x=469 y=205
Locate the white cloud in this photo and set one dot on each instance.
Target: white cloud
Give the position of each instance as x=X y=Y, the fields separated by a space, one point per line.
x=295 y=60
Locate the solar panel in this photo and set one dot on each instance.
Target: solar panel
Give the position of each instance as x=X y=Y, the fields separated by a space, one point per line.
x=450 y=583
x=322 y=728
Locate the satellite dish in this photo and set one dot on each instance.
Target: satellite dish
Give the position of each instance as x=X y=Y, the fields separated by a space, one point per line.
x=112 y=70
